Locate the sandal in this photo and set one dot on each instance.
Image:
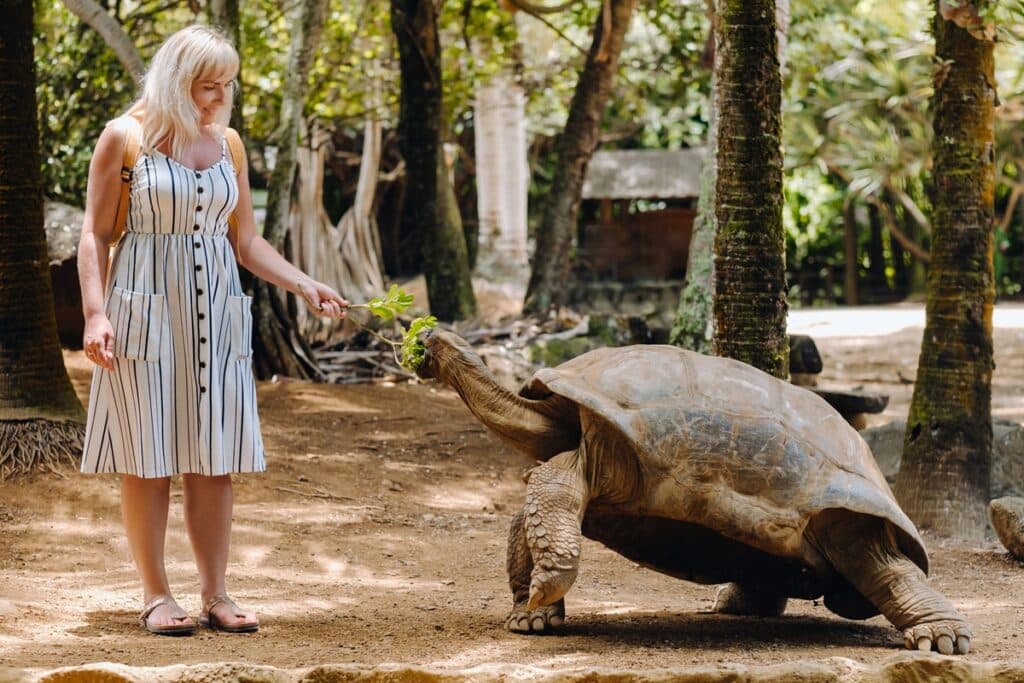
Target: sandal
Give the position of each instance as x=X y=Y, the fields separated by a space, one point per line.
x=166 y=629
x=210 y=620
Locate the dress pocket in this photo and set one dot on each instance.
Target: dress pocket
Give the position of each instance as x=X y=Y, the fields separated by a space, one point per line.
x=138 y=321
x=240 y=316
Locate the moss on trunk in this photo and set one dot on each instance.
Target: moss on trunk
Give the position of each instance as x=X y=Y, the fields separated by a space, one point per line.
x=943 y=482
x=549 y=270
x=750 y=302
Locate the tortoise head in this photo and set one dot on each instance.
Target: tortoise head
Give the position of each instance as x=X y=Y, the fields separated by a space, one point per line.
x=446 y=354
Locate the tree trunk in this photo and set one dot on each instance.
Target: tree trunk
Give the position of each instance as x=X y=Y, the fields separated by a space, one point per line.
x=40 y=415
x=113 y=34
x=851 y=265
x=549 y=276
x=694 y=324
x=750 y=301
x=430 y=212
x=346 y=256
x=502 y=177
x=278 y=348
x=877 y=284
x=225 y=15
x=943 y=482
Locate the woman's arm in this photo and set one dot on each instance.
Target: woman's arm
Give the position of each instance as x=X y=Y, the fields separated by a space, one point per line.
x=103 y=193
x=257 y=256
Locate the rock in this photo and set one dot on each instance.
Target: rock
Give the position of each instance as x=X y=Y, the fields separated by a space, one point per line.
x=1008 y=462
x=63 y=228
x=804 y=358
x=1007 y=515
x=886 y=443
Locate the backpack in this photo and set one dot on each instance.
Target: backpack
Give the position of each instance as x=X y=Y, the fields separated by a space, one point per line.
x=132 y=145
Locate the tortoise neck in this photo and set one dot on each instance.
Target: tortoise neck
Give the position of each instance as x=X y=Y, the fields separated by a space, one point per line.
x=534 y=427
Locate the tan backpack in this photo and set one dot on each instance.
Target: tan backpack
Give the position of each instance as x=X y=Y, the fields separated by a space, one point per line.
x=132 y=145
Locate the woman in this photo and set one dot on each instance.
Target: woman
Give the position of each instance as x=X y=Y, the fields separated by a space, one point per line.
x=169 y=326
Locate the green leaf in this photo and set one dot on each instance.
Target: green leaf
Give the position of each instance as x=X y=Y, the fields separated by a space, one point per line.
x=413 y=350
x=390 y=305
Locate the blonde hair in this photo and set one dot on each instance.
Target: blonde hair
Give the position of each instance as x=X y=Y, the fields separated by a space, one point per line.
x=167 y=110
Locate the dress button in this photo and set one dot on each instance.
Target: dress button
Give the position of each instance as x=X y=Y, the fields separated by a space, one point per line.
x=202 y=390
x=198 y=174
x=198 y=268
x=197 y=244
x=199 y=292
x=202 y=364
x=199 y=208
x=199 y=190
x=202 y=340
x=202 y=316
x=195 y=227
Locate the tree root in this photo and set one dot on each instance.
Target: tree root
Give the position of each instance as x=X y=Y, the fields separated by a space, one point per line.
x=32 y=445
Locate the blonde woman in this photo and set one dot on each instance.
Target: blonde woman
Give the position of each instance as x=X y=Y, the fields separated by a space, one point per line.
x=168 y=325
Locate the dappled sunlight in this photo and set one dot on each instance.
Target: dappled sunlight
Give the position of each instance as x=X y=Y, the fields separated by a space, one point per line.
x=461 y=500
x=318 y=514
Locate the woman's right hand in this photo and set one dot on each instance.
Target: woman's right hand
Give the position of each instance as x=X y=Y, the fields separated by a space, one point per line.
x=98 y=341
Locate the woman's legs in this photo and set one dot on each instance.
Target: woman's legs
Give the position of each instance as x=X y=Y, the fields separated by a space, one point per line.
x=144 y=505
x=208 y=505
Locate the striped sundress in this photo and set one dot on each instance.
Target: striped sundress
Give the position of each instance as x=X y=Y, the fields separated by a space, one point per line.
x=181 y=397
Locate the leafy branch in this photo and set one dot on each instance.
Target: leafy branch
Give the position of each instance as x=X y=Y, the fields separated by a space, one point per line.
x=410 y=351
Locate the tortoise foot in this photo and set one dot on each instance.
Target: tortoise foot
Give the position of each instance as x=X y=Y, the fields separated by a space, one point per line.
x=948 y=636
x=551 y=580
x=733 y=598
x=541 y=620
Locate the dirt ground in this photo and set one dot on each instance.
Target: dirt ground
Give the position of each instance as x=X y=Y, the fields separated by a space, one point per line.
x=378 y=534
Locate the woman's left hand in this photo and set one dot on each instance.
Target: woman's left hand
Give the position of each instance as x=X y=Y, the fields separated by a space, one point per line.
x=322 y=300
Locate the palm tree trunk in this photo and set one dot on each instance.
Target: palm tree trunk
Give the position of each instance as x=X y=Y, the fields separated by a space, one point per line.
x=278 y=348
x=750 y=301
x=430 y=213
x=943 y=482
x=576 y=145
x=40 y=416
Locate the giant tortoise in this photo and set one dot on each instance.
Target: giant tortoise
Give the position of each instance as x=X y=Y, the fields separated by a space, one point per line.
x=704 y=469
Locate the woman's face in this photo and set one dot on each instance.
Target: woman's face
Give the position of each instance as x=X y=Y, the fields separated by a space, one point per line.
x=211 y=93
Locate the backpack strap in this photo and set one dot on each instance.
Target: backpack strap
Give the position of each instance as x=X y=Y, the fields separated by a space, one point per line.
x=132 y=143
x=237 y=151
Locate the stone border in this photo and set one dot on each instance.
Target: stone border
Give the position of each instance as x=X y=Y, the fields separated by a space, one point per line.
x=903 y=668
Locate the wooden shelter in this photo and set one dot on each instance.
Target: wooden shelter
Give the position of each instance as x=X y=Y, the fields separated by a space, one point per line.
x=637 y=214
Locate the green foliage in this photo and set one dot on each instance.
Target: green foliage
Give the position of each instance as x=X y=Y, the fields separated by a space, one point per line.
x=389 y=306
x=857 y=119
x=81 y=86
x=413 y=350
x=410 y=351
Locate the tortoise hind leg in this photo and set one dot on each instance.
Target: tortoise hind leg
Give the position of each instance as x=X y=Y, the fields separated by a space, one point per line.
x=556 y=497
x=520 y=567
x=749 y=600
x=864 y=550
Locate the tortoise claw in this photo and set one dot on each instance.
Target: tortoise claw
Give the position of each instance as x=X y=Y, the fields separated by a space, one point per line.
x=948 y=637
x=541 y=620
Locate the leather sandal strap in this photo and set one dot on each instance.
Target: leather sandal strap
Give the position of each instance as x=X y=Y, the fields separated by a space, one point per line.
x=152 y=605
x=218 y=599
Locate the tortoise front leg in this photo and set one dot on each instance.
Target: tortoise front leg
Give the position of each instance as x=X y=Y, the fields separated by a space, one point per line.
x=520 y=568
x=864 y=550
x=556 y=498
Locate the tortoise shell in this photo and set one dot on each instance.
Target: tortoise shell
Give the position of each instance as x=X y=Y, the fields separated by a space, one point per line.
x=725 y=446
